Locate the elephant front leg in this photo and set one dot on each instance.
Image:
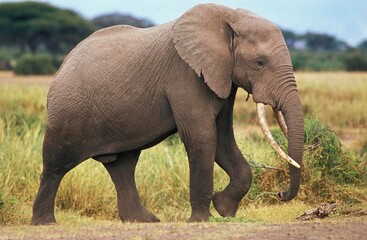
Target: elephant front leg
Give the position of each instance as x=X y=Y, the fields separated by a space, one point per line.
x=233 y=163
x=200 y=146
x=230 y=158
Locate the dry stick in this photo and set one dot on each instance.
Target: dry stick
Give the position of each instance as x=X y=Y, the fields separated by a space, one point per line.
x=261 y=165
x=320 y=212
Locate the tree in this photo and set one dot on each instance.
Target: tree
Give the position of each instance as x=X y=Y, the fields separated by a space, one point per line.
x=118 y=18
x=362 y=46
x=324 y=42
x=34 y=26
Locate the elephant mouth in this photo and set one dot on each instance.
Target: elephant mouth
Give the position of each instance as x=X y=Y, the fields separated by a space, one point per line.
x=260 y=109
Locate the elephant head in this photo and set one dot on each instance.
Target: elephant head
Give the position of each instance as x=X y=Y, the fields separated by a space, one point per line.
x=228 y=48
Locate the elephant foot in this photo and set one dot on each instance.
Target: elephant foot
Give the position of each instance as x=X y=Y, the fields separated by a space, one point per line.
x=140 y=216
x=200 y=217
x=43 y=220
x=224 y=205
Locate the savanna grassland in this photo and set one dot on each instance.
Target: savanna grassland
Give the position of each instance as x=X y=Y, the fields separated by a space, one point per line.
x=335 y=110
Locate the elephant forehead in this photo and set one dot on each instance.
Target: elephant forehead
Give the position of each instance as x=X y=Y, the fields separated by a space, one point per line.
x=248 y=23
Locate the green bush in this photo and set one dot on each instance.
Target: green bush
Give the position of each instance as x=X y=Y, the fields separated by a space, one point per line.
x=324 y=145
x=38 y=64
x=325 y=154
x=330 y=173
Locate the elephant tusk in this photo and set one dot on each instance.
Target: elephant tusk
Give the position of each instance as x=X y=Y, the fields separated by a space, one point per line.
x=281 y=122
x=260 y=108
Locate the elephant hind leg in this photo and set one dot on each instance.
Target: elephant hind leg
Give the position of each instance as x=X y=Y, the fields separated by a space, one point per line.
x=122 y=172
x=43 y=207
x=56 y=163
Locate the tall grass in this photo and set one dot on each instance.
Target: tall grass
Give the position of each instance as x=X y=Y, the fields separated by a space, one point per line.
x=339 y=98
x=21 y=131
x=162 y=172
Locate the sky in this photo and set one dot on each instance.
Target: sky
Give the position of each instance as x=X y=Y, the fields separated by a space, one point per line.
x=344 y=19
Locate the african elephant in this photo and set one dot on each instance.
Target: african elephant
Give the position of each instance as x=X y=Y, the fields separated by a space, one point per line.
x=124 y=89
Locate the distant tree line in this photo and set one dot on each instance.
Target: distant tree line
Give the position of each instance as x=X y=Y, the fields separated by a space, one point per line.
x=323 y=52
x=119 y=18
x=35 y=37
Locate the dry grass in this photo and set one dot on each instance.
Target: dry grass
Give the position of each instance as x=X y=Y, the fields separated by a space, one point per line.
x=32 y=80
x=339 y=98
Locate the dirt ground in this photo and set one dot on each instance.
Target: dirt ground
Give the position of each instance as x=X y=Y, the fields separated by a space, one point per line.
x=349 y=228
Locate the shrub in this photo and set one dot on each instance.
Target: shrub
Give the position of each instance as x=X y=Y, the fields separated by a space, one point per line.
x=324 y=153
x=324 y=145
x=38 y=64
x=329 y=172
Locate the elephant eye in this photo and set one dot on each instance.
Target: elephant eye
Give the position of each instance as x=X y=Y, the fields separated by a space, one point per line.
x=260 y=64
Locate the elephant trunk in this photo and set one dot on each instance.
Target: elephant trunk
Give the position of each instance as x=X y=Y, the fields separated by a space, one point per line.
x=290 y=119
x=293 y=116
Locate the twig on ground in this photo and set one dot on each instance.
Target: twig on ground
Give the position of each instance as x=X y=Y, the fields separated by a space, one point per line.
x=320 y=212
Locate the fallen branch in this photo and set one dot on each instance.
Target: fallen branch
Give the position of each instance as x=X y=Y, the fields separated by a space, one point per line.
x=320 y=212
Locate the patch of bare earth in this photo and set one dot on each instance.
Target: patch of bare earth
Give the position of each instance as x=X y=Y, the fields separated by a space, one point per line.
x=350 y=228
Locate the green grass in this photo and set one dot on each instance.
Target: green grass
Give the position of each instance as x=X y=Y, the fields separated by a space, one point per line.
x=162 y=172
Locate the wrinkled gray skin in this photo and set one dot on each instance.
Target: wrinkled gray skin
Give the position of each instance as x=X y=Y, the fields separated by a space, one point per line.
x=125 y=89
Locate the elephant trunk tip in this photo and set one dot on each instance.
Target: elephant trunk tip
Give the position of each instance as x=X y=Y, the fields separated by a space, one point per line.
x=286 y=196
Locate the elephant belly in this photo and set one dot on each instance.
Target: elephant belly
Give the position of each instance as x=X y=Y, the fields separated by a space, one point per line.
x=128 y=130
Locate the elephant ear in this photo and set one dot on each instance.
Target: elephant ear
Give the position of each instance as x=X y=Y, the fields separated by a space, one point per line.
x=203 y=37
